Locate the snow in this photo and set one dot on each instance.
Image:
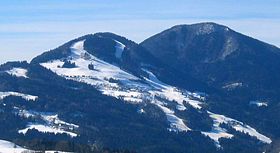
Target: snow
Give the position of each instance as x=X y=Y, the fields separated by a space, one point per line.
x=132 y=96
x=230 y=46
x=18 y=72
x=205 y=29
x=132 y=99
x=46 y=129
x=153 y=80
x=100 y=76
x=199 y=95
x=219 y=132
x=252 y=132
x=216 y=134
x=52 y=124
x=9 y=147
x=171 y=93
x=25 y=113
x=115 y=82
x=232 y=86
x=141 y=111
x=105 y=71
x=27 y=97
x=180 y=107
x=124 y=86
x=54 y=118
x=176 y=123
x=119 y=49
x=259 y=103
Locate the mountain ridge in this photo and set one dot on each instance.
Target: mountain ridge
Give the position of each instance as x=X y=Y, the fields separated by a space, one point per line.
x=103 y=89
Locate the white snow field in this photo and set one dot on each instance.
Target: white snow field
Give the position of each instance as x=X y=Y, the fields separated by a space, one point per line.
x=46 y=129
x=219 y=132
x=9 y=147
x=17 y=94
x=18 y=72
x=52 y=123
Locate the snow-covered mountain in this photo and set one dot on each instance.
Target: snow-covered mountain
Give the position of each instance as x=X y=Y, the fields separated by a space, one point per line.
x=105 y=90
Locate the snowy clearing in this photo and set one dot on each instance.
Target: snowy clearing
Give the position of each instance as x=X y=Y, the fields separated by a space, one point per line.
x=232 y=86
x=219 y=132
x=27 y=97
x=46 y=129
x=18 y=72
x=52 y=123
x=259 y=103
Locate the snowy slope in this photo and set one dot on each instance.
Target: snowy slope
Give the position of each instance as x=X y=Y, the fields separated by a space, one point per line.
x=128 y=87
x=115 y=82
x=219 y=132
x=119 y=49
x=52 y=123
x=18 y=72
x=46 y=129
x=17 y=94
x=259 y=103
x=9 y=147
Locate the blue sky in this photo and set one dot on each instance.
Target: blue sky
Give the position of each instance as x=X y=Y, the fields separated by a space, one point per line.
x=30 y=27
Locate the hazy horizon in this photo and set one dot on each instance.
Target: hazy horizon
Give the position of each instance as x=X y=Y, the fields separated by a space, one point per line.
x=29 y=27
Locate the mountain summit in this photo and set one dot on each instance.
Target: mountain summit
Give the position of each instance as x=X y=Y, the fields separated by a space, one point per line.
x=218 y=56
x=202 y=43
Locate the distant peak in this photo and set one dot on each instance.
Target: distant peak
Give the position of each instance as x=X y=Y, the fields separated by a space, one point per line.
x=202 y=28
x=203 y=24
x=207 y=23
